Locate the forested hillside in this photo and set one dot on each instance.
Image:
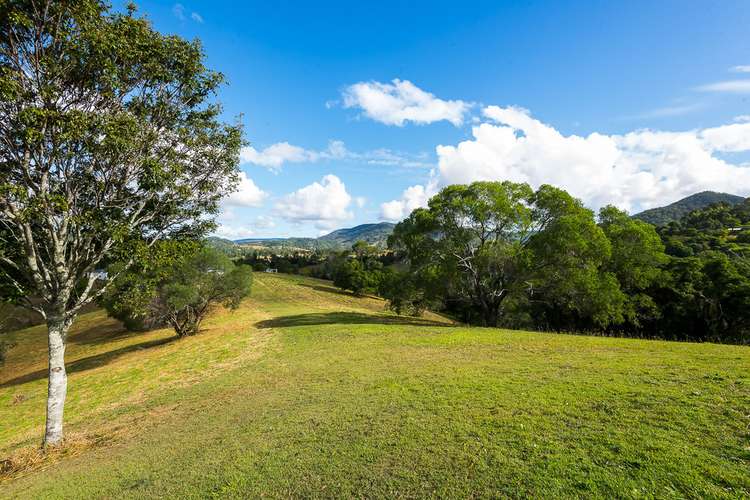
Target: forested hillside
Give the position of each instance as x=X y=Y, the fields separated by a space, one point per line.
x=374 y=234
x=675 y=211
x=340 y=239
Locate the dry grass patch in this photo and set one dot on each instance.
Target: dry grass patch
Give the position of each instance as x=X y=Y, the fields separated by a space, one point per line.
x=113 y=373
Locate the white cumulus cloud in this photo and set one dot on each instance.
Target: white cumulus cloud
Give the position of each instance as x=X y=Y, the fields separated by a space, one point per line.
x=232 y=232
x=727 y=138
x=248 y=194
x=413 y=197
x=276 y=155
x=741 y=69
x=233 y=225
x=325 y=203
x=401 y=101
x=230 y=224
x=634 y=171
x=264 y=222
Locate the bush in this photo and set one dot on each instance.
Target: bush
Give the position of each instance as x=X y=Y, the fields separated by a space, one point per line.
x=130 y=296
x=202 y=281
x=128 y=300
x=176 y=288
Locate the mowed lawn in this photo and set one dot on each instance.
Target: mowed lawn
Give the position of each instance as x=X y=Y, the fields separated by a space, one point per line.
x=308 y=392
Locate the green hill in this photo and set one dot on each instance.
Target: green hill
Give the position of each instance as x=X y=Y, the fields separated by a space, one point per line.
x=375 y=234
x=286 y=243
x=664 y=215
x=309 y=392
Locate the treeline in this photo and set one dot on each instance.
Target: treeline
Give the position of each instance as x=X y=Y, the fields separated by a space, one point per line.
x=289 y=263
x=501 y=254
x=334 y=265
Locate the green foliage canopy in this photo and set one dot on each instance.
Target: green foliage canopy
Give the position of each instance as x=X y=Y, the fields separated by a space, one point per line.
x=637 y=261
x=205 y=279
x=130 y=295
x=360 y=274
x=489 y=241
x=110 y=140
x=177 y=285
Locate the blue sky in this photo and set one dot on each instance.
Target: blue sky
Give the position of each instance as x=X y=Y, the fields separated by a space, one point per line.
x=368 y=108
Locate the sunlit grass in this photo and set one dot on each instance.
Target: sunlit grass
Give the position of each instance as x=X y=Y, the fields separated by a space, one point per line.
x=306 y=391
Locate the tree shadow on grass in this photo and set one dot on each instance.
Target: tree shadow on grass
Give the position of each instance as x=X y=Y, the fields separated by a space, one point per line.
x=346 y=318
x=95 y=334
x=333 y=289
x=88 y=363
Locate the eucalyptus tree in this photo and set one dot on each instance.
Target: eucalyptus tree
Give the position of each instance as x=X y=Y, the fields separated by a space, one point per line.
x=637 y=260
x=493 y=240
x=110 y=140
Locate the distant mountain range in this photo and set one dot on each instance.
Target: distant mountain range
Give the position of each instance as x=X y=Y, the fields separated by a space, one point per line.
x=664 y=215
x=374 y=234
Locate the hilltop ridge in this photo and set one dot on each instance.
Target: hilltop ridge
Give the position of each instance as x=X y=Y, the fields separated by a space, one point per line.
x=660 y=216
x=373 y=233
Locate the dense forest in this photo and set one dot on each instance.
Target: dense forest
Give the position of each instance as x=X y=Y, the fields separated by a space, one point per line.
x=500 y=254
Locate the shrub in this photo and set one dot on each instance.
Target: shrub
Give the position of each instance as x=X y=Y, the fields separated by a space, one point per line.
x=176 y=289
x=202 y=281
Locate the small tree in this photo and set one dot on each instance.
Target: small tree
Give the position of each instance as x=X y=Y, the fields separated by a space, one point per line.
x=109 y=141
x=132 y=292
x=193 y=287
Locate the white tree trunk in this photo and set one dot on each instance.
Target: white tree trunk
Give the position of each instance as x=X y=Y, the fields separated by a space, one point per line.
x=57 y=386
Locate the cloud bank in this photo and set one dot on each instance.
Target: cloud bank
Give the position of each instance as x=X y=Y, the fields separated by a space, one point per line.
x=247 y=194
x=274 y=157
x=634 y=171
x=413 y=197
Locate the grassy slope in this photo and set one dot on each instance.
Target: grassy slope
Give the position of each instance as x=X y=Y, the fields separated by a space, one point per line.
x=305 y=391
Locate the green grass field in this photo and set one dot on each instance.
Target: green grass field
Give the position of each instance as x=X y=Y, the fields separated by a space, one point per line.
x=306 y=391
